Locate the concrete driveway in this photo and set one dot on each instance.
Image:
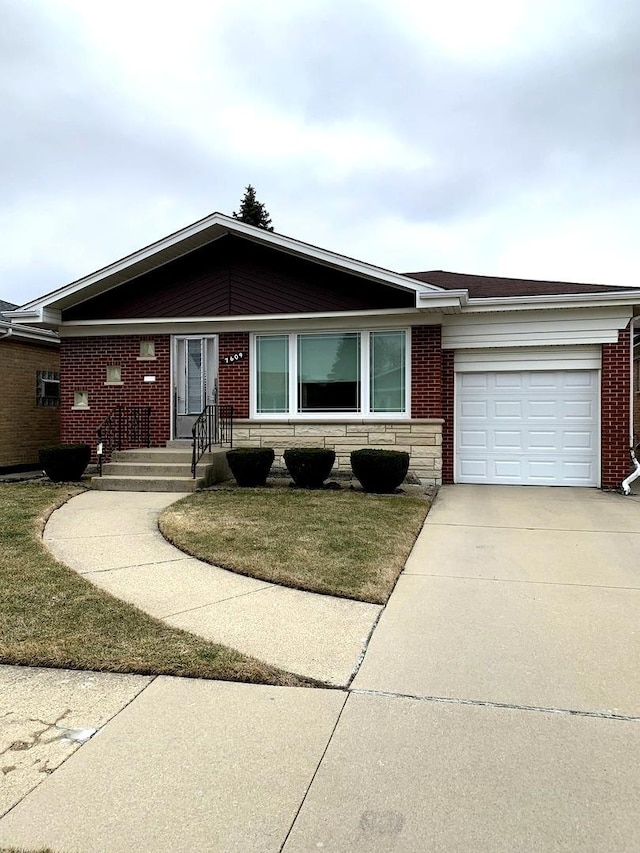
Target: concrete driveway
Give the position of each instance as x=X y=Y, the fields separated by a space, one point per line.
x=528 y=597
x=497 y=710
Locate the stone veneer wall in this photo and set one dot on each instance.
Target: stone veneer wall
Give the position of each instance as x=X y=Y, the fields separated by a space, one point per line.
x=421 y=438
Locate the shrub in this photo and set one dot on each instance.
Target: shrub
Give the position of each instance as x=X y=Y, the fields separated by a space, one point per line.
x=250 y=465
x=380 y=471
x=309 y=466
x=63 y=462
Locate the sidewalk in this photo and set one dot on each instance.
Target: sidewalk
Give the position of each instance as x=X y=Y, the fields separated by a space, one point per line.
x=112 y=539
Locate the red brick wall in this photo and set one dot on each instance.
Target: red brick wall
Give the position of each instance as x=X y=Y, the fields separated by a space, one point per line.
x=615 y=403
x=426 y=372
x=448 y=396
x=233 y=377
x=636 y=394
x=83 y=363
x=24 y=426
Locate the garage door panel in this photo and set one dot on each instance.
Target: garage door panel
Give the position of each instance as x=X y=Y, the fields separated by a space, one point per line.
x=508 y=409
x=474 y=381
x=476 y=470
x=529 y=427
x=506 y=380
x=474 y=409
x=507 y=440
x=579 y=409
x=578 y=473
x=578 y=440
x=543 y=440
x=542 y=409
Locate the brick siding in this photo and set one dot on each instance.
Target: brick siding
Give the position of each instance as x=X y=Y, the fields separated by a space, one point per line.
x=24 y=426
x=615 y=405
x=83 y=363
x=426 y=372
x=636 y=394
x=233 y=378
x=448 y=398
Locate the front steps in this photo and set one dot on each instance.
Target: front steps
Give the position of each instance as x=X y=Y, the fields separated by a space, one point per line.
x=161 y=469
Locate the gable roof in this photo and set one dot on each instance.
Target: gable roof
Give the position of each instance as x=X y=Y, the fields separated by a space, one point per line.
x=434 y=291
x=185 y=241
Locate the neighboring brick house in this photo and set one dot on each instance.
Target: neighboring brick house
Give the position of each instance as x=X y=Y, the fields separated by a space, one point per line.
x=30 y=412
x=482 y=380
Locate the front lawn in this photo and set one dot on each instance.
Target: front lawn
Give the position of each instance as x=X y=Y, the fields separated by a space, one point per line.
x=343 y=543
x=51 y=616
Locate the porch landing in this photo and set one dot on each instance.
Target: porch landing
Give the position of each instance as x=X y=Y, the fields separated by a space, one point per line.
x=161 y=469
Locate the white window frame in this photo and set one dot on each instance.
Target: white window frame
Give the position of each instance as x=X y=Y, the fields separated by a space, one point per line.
x=365 y=389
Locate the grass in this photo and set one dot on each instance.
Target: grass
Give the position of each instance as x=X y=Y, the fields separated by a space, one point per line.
x=343 y=543
x=50 y=616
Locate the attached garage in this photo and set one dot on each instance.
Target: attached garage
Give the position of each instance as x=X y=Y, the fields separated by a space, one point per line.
x=528 y=417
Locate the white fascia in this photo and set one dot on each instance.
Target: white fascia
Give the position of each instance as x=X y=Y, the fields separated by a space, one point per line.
x=528 y=303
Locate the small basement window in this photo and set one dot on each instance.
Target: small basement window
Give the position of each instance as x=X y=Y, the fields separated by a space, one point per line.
x=47 y=388
x=147 y=350
x=114 y=375
x=80 y=399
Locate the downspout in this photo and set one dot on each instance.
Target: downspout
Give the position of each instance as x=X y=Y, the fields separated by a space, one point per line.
x=8 y=332
x=626 y=484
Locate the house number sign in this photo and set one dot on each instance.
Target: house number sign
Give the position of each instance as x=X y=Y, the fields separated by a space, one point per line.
x=230 y=359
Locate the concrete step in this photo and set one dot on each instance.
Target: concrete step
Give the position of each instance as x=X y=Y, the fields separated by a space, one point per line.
x=154 y=455
x=152 y=469
x=146 y=484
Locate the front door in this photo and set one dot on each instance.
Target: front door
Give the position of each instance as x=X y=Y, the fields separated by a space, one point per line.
x=195 y=379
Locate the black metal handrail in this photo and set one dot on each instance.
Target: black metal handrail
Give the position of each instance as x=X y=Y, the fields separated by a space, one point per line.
x=214 y=425
x=124 y=427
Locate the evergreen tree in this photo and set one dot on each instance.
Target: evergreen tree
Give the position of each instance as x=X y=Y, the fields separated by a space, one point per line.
x=252 y=211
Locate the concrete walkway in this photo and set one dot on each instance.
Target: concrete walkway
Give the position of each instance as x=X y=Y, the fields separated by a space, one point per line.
x=112 y=539
x=497 y=710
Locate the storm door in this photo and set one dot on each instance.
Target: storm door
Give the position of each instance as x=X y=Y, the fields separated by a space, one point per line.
x=195 y=379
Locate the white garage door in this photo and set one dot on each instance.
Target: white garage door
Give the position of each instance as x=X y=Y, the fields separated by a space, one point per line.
x=527 y=427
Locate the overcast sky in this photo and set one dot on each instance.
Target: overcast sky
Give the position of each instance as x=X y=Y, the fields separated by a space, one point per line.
x=499 y=138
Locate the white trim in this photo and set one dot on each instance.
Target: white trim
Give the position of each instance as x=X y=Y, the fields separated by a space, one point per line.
x=293 y=416
x=562 y=300
x=276 y=323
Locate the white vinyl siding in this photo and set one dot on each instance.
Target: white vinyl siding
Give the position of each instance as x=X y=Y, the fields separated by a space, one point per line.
x=566 y=327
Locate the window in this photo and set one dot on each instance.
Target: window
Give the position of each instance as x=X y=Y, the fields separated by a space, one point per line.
x=147 y=350
x=114 y=375
x=80 y=399
x=47 y=388
x=340 y=373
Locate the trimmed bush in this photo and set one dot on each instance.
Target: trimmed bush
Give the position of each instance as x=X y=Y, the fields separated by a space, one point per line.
x=64 y=462
x=379 y=471
x=309 y=466
x=250 y=465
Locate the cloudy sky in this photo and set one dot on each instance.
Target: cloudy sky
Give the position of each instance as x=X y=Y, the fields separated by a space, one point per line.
x=500 y=137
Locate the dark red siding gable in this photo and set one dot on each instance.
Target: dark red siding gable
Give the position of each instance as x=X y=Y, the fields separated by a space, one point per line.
x=234 y=277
